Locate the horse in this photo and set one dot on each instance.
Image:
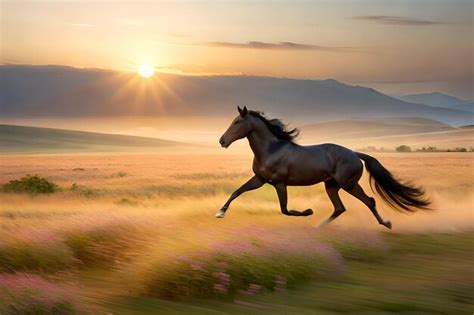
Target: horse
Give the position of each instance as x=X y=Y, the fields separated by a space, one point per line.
x=281 y=162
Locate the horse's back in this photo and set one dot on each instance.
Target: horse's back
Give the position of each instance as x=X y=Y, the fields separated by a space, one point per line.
x=332 y=150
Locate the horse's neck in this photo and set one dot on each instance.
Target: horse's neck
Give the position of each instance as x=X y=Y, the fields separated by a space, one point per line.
x=260 y=140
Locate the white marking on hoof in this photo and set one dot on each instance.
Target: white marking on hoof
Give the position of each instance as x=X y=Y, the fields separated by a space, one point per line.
x=387 y=224
x=220 y=214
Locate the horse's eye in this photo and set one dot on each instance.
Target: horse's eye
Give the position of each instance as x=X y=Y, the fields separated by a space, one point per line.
x=235 y=123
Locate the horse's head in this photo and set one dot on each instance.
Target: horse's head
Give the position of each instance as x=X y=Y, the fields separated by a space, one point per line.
x=238 y=129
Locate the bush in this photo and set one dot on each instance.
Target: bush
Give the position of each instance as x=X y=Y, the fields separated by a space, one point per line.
x=403 y=148
x=82 y=190
x=23 y=293
x=31 y=184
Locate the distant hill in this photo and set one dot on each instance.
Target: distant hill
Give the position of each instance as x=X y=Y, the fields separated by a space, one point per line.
x=457 y=138
x=435 y=99
x=70 y=92
x=376 y=127
x=389 y=133
x=22 y=139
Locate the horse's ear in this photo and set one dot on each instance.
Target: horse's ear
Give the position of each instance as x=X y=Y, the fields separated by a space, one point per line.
x=239 y=109
x=243 y=112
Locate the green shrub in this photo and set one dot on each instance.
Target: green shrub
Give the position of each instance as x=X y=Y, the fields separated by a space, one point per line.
x=403 y=148
x=82 y=190
x=32 y=184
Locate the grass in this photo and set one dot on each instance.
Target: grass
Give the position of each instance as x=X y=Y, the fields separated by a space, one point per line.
x=245 y=265
x=147 y=242
x=35 y=250
x=24 y=293
x=99 y=243
x=399 y=284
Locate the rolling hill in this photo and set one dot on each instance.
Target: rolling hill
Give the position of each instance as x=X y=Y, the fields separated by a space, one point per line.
x=45 y=91
x=389 y=133
x=22 y=139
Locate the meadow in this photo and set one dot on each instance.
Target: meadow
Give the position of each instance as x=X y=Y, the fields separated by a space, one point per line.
x=136 y=234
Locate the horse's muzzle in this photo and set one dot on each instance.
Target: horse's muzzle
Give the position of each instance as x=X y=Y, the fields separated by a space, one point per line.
x=223 y=143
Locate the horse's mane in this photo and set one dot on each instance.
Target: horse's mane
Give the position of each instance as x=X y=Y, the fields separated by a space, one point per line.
x=277 y=127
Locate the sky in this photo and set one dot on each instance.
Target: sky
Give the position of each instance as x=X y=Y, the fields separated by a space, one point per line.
x=396 y=46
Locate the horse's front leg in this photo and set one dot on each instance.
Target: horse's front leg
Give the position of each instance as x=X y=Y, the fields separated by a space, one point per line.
x=283 y=198
x=251 y=184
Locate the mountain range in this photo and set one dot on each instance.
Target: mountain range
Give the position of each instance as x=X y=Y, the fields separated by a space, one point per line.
x=46 y=91
x=437 y=99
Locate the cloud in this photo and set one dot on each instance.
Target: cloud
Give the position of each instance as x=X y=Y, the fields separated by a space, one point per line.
x=397 y=20
x=273 y=46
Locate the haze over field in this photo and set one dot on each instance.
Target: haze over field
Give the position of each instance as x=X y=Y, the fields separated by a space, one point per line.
x=382 y=133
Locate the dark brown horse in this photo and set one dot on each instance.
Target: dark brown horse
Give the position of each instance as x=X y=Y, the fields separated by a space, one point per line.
x=281 y=162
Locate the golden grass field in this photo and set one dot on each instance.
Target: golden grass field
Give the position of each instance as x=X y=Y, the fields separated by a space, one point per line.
x=118 y=229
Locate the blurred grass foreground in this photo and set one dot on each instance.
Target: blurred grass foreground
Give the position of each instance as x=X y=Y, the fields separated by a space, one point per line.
x=143 y=240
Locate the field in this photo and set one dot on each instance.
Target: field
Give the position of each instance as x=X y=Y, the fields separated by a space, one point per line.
x=136 y=234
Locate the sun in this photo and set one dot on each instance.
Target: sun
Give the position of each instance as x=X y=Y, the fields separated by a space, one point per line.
x=146 y=70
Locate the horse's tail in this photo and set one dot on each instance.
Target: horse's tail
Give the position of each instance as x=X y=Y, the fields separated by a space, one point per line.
x=399 y=195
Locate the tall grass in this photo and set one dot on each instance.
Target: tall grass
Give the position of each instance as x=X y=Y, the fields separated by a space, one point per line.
x=79 y=241
x=248 y=264
x=98 y=241
x=24 y=293
x=34 y=250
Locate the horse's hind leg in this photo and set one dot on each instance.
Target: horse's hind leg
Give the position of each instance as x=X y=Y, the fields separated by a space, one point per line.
x=359 y=193
x=332 y=189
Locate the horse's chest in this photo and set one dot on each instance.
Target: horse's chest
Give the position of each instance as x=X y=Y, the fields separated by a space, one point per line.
x=270 y=172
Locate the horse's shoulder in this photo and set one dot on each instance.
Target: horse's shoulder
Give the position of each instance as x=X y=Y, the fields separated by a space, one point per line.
x=276 y=146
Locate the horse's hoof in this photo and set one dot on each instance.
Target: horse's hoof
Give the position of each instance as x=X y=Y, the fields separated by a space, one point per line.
x=220 y=214
x=307 y=212
x=387 y=224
